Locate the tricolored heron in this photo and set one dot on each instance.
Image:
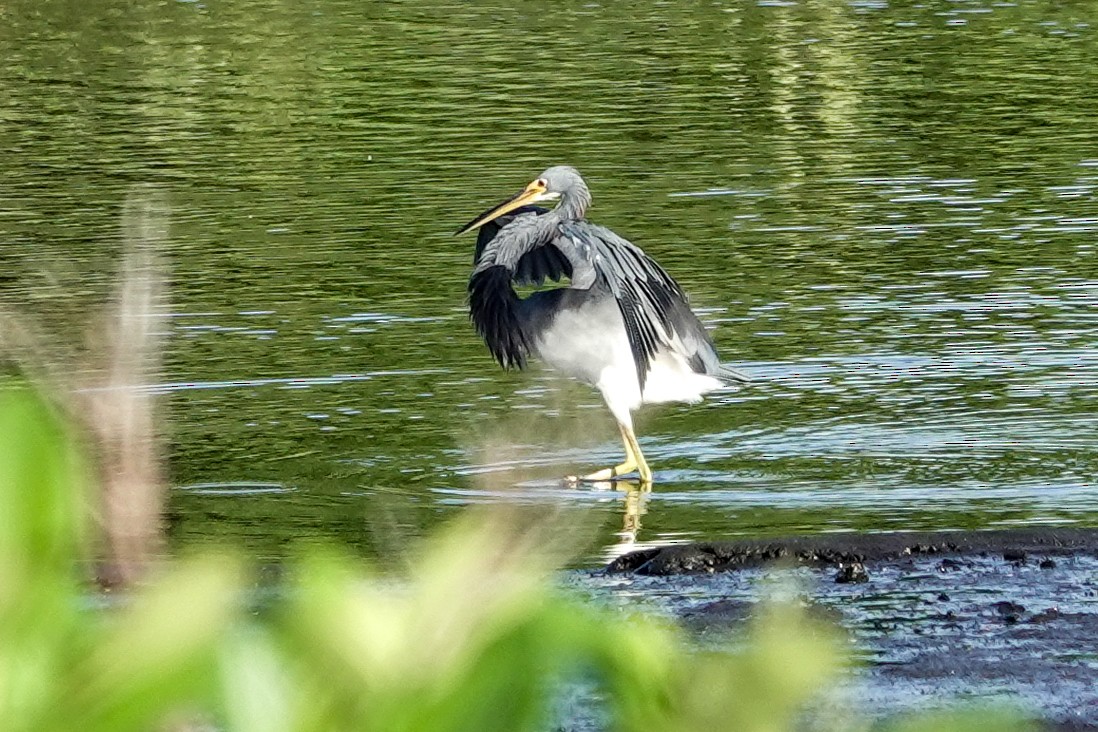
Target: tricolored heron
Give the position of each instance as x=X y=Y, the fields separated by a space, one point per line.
x=622 y=325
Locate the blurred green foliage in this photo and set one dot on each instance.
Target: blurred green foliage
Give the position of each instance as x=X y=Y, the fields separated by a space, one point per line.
x=475 y=637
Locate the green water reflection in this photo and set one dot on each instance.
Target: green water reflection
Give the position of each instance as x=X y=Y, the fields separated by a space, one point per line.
x=887 y=211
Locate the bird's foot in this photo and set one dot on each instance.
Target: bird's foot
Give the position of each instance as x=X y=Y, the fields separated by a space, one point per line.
x=605 y=474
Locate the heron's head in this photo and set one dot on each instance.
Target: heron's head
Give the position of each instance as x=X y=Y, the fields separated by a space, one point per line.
x=556 y=182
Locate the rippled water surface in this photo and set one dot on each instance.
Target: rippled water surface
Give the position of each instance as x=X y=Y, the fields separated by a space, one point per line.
x=887 y=212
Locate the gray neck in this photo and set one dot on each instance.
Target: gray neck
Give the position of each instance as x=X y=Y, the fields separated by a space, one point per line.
x=575 y=202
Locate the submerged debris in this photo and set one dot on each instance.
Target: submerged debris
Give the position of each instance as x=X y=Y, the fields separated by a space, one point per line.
x=852 y=572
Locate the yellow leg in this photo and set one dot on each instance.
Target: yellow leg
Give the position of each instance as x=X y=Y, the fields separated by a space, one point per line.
x=634 y=451
x=634 y=460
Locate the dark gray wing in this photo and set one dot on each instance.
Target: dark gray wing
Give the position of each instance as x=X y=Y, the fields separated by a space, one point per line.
x=655 y=309
x=536 y=265
x=541 y=264
x=511 y=250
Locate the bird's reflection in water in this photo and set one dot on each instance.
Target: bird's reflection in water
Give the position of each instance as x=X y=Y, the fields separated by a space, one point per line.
x=635 y=500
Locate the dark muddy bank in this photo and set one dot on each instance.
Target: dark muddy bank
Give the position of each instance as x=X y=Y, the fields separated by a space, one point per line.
x=846 y=549
x=938 y=618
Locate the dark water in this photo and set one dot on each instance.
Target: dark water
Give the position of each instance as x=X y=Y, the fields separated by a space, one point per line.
x=886 y=211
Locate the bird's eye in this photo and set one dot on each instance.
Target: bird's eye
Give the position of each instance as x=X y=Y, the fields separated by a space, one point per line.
x=542 y=183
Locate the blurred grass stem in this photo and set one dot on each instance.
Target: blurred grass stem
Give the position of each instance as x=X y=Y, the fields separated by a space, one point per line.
x=103 y=387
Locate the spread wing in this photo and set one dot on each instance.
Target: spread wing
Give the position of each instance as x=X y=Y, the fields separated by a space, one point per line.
x=536 y=265
x=655 y=309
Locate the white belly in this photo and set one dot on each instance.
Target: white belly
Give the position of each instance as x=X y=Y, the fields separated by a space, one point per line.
x=669 y=379
x=590 y=344
x=583 y=341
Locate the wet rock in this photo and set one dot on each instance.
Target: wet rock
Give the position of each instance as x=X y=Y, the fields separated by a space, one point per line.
x=1010 y=612
x=943 y=597
x=950 y=565
x=851 y=572
x=923 y=549
x=709 y=558
x=632 y=561
x=1006 y=607
x=1049 y=613
x=834 y=549
x=1047 y=564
